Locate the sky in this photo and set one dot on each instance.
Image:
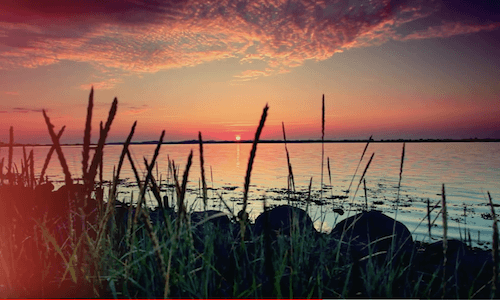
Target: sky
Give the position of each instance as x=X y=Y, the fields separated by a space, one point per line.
x=391 y=69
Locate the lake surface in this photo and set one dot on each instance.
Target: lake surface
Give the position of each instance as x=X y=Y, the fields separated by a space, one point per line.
x=468 y=171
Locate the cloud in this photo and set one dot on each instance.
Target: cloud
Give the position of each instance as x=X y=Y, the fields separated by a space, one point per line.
x=26 y=110
x=11 y=93
x=134 y=110
x=102 y=85
x=136 y=37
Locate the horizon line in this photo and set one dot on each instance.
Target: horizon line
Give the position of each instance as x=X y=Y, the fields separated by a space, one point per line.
x=187 y=142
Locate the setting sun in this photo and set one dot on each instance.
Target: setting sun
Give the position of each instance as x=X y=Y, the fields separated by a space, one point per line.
x=238 y=137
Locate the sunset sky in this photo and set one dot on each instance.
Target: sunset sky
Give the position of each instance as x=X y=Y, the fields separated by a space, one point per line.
x=391 y=69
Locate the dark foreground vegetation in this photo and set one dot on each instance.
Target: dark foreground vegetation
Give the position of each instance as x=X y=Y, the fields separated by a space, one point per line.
x=78 y=241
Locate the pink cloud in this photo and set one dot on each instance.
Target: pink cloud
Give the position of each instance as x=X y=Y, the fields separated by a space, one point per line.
x=136 y=110
x=101 y=85
x=135 y=37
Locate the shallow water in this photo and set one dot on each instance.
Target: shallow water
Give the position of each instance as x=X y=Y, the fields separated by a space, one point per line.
x=468 y=171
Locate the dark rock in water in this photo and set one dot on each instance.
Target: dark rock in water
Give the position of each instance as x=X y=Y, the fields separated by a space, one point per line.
x=340 y=211
x=282 y=218
x=374 y=232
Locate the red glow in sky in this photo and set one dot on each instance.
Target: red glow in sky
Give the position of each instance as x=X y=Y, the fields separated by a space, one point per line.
x=391 y=69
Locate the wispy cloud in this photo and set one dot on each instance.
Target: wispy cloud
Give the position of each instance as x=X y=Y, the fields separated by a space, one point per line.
x=11 y=93
x=26 y=110
x=134 y=110
x=137 y=37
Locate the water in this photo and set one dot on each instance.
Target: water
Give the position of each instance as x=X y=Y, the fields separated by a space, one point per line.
x=468 y=171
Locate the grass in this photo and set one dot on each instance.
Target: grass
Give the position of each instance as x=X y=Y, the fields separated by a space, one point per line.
x=112 y=249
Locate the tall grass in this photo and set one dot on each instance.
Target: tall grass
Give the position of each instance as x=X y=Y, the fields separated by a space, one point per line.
x=125 y=251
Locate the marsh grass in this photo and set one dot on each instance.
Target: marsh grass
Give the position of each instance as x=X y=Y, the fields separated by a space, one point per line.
x=120 y=250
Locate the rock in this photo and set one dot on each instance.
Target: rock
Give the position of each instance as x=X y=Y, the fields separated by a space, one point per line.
x=218 y=218
x=373 y=232
x=466 y=269
x=281 y=219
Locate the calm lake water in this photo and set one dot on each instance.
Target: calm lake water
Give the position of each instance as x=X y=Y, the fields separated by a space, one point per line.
x=468 y=171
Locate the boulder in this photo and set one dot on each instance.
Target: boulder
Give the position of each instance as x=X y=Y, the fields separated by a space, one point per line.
x=281 y=220
x=374 y=233
x=467 y=270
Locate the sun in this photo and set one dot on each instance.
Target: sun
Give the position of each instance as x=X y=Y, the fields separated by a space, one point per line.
x=237 y=137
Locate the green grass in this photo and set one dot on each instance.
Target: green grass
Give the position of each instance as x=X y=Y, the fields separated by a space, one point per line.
x=83 y=254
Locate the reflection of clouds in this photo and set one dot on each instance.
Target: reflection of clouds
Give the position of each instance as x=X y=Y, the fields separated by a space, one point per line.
x=136 y=37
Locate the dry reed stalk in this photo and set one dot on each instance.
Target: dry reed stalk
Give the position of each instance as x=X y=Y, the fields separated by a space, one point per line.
x=24 y=166
x=32 y=169
x=291 y=181
x=445 y=237
x=87 y=133
x=202 y=170
x=148 y=177
x=494 y=250
x=122 y=158
x=49 y=155
x=363 y=176
x=362 y=155
x=366 y=195
x=252 y=157
x=322 y=146
x=249 y=171
x=155 y=189
x=134 y=169
x=429 y=216
x=329 y=172
x=58 y=149
x=182 y=205
x=11 y=152
x=100 y=145
x=1 y=171
x=400 y=172
x=308 y=200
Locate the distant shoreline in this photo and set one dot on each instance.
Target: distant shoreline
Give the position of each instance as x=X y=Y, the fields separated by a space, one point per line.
x=281 y=142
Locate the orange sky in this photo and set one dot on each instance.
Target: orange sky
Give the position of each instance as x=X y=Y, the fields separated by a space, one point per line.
x=391 y=69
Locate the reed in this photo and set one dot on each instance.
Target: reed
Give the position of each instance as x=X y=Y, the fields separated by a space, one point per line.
x=87 y=134
x=322 y=143
x=290 y=181
x=445 y=237
x=494 y=251
x=92 y=172
x=55 y=141
x=359 y=162
x=11 y=152
x=253 y=153
x=366 y=194
x=49 y=155
x=363 y=176
x=202 y=171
